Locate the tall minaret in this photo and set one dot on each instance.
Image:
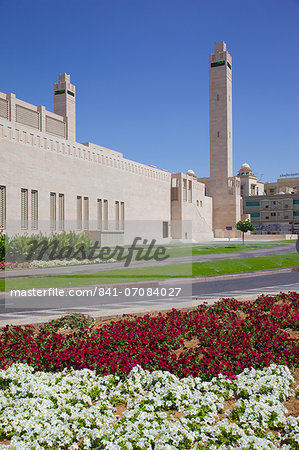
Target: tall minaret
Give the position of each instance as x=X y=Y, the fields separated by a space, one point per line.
x=221 y=185
x=65 y=103
x=220 y=84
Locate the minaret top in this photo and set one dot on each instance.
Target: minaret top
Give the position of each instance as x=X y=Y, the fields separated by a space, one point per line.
x=221 y=47
x=64 y=77
x=65 y=103
x=64 y=82
x=220 y=56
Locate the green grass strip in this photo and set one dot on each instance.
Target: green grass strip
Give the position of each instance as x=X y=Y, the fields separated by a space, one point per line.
x=211 y=249
x=209 y=268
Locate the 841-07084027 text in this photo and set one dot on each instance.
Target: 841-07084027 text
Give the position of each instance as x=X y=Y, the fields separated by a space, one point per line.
x=140 y=292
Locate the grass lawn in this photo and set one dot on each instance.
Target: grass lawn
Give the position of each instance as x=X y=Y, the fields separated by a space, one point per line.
x=174 y=251
x=228 y=247
x=210 y=249
x=158 y=272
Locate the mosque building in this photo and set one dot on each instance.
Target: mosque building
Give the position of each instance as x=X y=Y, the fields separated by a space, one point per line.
x=49 y=182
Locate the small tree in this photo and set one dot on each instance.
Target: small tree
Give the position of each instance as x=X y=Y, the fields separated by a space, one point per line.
x=244 y=226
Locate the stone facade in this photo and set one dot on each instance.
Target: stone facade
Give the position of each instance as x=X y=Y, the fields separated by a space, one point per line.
x=191 y=209
x=49 y=182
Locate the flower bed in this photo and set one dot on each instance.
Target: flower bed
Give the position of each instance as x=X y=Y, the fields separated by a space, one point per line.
x=68 y=262
x=36 y=264
x=225 y=338
x=213 y=377
x=15 y=265
x=80 y=410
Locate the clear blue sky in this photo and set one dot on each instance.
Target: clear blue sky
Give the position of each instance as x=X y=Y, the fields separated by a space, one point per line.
x=141 y=72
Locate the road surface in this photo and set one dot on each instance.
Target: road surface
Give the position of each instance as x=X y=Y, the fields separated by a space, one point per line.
x=130 y=298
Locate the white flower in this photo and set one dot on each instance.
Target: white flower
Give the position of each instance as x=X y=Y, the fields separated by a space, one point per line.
x=58 y=410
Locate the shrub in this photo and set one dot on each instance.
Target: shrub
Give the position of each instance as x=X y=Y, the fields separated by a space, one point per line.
x=56 y=246
x=69 y=322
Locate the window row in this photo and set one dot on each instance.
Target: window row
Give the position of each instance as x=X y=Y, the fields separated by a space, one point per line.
x=57 y=211
x=57 y=199
x=102 y=214
x=25 y=212
x=2 y=206
x=35 y=213
x=53 y=211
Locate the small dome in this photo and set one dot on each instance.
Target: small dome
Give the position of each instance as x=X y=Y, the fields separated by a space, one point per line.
x=190 y=172
x=245 y=166
x=245 y=169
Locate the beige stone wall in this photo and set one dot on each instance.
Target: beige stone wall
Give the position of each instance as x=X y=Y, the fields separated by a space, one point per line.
x=227 y=204
x=251 y=186
x=36 y=162
x=39 y=152
x=191 y=209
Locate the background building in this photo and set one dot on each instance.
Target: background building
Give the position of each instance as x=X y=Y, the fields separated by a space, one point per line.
x=249 y=184
x=273 y=214
x=285 y=185
x=273 y=208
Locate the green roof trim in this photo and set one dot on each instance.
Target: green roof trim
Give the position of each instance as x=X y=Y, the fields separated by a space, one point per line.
x=252 y=203
x=218 y=63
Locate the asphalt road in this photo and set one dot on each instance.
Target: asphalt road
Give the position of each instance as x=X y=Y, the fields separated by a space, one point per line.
x=122 y=301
